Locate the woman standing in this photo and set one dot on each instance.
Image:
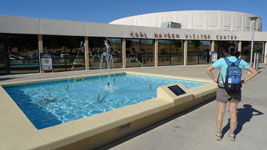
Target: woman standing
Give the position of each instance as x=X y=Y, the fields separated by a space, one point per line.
x=223 y=96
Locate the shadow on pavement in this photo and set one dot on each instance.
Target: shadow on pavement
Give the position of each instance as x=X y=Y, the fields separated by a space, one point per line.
x=244 y=115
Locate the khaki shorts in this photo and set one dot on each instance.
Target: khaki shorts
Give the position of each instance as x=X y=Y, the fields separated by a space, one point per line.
x=223 y=96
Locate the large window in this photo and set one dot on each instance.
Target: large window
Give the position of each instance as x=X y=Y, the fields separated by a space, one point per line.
x=192 y=52
x=98 y=50
x=66 y=52
x=204 y=51
x=259 y=48
x=246 y=49
x=115 y=51
x=133 y=48
x=198 y=52
x=3 y=56
x=164 y=52
x=177 y=55
x=19 y=53
x=220 y=47
x=146 y=55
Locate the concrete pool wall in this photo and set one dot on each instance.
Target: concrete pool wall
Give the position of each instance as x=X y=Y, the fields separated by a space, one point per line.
x=98 y=130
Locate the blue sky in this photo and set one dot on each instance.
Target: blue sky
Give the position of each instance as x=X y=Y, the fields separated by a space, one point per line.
x=104 y=11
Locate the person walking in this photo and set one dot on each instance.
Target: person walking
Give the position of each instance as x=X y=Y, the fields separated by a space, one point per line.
x=227 y=91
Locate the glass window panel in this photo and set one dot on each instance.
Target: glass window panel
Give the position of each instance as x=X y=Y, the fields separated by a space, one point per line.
x=23 y=53
x=146 y=55
x=96 y=49
x=3 y=56
x=74 y=53
x=259 y=48
x=177 y=55
x=204 y=51
x=115 y=50
x=132 y=51
x=64 y=50
x=192 y=52
x=221 y=45
x=246 y=49
x=164 y=47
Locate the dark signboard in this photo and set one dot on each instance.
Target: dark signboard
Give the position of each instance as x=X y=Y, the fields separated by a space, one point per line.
x=176 y=90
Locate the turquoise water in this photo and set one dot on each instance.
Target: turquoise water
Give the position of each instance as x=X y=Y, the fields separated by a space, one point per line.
x=50 y=103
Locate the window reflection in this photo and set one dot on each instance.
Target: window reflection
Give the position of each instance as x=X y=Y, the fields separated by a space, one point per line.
x=133 y=57
x=115 y=51
x=259 y=48
x=97 y=48
x=204 y=52
x=164 y=47
x=177 y=55
x=246 y=49
x=146 y=55
x=23 y=53
x=64 y=50
x=3 y=56
x=221 y=45
x=198 y=52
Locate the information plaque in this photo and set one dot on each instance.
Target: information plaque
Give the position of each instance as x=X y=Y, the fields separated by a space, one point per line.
x=46 y=61
x=176 y=90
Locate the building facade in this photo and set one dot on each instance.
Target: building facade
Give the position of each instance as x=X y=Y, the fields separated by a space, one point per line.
x=22 y=40
x=196 y=19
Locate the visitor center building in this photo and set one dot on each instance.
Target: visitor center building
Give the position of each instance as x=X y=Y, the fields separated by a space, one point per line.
x=156 y=39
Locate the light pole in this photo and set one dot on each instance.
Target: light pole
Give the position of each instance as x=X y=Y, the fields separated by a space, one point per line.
x=253 y=21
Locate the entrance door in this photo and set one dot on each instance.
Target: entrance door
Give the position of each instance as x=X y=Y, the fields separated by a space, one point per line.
x=4 y=67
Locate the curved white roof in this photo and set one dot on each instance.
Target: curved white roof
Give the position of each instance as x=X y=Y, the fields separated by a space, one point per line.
x=195 y=19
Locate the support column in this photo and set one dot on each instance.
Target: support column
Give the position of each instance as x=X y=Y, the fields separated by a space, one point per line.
x=265 y=53
x=239 y=48
x=185 y=52
x=156 y=50
x=86 y=53
x=124 y=53
x=41 y=50
x=212 y=46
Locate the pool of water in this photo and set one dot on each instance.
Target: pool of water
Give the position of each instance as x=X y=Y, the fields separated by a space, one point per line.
x=51 y=103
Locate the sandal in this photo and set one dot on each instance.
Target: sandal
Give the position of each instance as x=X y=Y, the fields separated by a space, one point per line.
x=218 y=136
x=231 y=137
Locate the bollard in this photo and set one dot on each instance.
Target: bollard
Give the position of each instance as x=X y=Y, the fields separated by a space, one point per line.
x=256 y=61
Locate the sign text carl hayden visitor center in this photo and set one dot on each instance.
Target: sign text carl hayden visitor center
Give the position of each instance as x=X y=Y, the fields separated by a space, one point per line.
x=156 y=39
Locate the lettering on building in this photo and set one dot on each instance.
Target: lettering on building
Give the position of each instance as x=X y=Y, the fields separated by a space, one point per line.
x=186 y=36
x=197 y=36
x=138 y=34
x=166 y=36
x=226 y=37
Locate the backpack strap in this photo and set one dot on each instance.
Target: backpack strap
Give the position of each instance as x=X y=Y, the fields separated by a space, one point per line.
x=229 y=63
x=237 y=62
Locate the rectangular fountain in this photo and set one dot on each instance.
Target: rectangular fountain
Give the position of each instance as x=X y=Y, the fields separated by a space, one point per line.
x=51 y=103
x=53 y=116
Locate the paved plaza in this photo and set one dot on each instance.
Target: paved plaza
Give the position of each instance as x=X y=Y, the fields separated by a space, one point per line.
x=195 y=128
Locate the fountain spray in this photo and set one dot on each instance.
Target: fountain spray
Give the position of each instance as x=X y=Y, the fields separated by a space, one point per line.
x=73 y=63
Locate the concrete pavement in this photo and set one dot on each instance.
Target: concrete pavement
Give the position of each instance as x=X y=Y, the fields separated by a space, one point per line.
x=196 y=128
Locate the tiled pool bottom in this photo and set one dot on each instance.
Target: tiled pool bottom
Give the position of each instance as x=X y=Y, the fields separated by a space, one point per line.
x=50 y=103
